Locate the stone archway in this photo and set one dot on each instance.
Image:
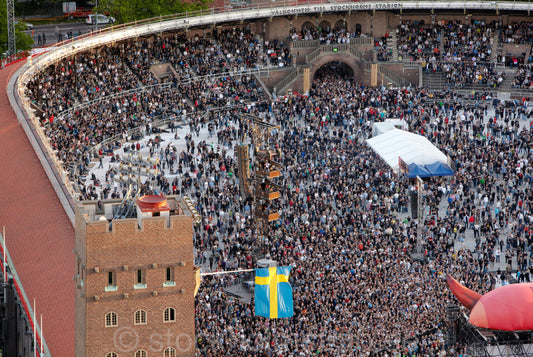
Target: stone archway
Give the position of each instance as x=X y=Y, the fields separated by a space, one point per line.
x=339 y=67
x=324 y=25
x=341 y=25
x=308 y=25
x=351 y=61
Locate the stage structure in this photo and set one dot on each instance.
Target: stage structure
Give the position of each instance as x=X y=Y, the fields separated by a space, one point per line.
x=259 y=184
x=500 y=321
x=484 y=342
x=258 y=176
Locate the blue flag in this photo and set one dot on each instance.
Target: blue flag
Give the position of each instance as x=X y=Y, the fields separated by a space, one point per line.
x=273 y=293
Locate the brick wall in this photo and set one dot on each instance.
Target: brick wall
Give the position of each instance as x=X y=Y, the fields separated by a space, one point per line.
x=161 y=242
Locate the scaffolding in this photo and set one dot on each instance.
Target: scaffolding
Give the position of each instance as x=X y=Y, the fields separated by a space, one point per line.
x=484 y=342
x=11 y=45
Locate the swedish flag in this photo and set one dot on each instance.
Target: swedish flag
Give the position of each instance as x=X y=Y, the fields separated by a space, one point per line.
x=273 y=293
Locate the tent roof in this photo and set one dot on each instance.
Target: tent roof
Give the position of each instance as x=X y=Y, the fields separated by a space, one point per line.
x=381 y=127
x=412 y=148
x=417 y=170
x=439 y=169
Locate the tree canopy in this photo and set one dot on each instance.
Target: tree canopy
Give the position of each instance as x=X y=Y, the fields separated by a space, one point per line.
x=23 y=40
x=132 y=10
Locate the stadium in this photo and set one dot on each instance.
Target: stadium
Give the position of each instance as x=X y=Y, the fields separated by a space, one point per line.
x=358 y=100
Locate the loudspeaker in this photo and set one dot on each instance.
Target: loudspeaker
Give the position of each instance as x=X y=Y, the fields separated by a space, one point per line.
x=414 y=204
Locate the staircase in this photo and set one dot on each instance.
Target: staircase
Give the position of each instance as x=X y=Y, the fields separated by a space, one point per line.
x=434 y=80
x=510 y=74
x=497 y=47
x=441 y=44
x=392 y=44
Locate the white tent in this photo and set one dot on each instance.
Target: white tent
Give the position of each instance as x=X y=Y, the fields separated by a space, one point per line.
x=412 y=148
x=381 y=127
x=398 y=123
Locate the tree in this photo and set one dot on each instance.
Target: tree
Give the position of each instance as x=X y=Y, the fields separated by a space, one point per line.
x=23 y=40
x=132 y=10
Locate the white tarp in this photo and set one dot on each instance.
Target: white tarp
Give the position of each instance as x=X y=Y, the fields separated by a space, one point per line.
x=381 y=127
x=412 y=148
x=398 y=123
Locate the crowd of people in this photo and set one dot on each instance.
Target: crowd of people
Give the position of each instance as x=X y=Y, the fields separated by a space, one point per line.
x=343 y=224
x=382 y=49
x=524 y=77
x=326 y=35
x=519 y=34
x=462 y=52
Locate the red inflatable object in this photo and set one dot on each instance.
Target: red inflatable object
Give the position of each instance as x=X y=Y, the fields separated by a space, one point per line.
x=507 y=308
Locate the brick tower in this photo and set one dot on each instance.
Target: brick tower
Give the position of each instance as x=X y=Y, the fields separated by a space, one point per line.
x=135 y=278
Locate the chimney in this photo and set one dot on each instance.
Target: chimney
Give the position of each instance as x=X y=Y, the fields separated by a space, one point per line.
x=152 y=206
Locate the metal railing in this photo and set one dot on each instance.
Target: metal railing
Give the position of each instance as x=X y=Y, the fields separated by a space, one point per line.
x=260 y=72
x=391 y=76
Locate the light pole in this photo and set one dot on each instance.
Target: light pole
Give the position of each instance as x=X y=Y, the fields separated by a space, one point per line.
x=96 y=17
x=420 y=214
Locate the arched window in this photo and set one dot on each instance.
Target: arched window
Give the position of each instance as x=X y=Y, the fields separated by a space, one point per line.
x=111 y=354
x=169 y=315
x=141 y=353
x=140 y=317
x=110 y=319
x=170 y=352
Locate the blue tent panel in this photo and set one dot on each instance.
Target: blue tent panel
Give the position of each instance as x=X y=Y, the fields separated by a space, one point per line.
x=439 y=169
x=416 y=170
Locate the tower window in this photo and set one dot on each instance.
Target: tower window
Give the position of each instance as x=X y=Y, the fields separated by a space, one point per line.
x=169 y=277
x=141 y=353
x=169 y=315
x=139 y=276
x=111 y=283
x=110 y=319
x=170 y=352
x=140 y=317
x=140 y=281
x=111 y=354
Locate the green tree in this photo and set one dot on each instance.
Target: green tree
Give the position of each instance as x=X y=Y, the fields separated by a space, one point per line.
x=23 y=41
x=132 y=10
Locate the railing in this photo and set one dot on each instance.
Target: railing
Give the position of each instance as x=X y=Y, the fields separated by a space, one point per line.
x=357 y=41
x=392 y=76
x=8 y=269
x=341 y=47
x=119 y=94
x=361 y=41
x=356 y=52
x=305 y=44
x=311 y=57
x=279 y=8
x=260 y=72
x=287 y=80
x=41 y=145
x=410 y=64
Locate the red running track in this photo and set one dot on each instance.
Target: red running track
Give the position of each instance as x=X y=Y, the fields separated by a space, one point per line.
x=39 y=235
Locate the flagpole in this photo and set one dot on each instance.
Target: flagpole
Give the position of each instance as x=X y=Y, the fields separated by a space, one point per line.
x=34 y=332
x=41 y=326
x=4 y=269
x=227 y=272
